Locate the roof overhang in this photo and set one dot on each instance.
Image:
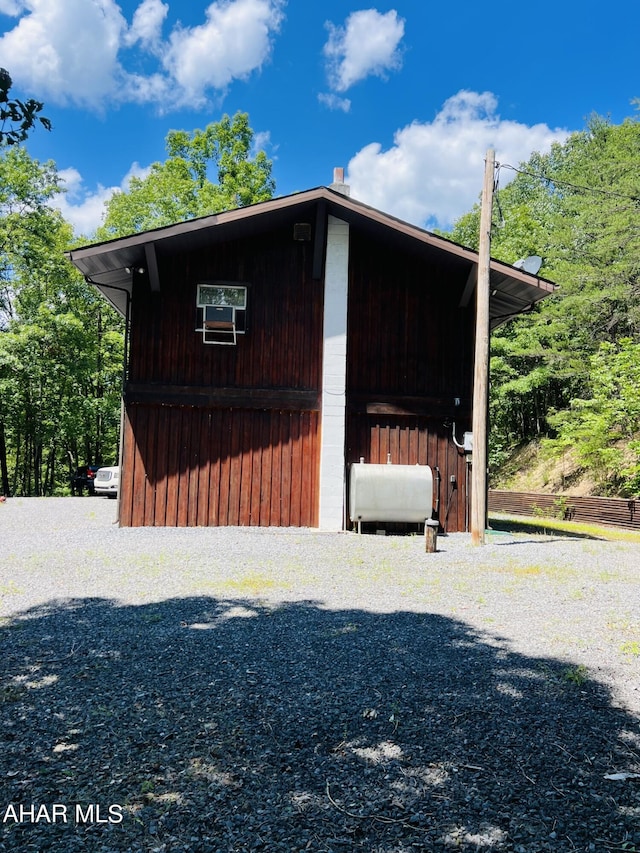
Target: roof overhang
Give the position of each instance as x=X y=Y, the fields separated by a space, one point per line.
x=111 y=266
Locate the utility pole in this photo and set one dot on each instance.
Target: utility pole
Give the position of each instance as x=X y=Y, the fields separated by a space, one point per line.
x=481 y=363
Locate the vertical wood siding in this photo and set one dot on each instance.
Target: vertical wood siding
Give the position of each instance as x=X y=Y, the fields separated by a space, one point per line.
x=409 y=356
x=283 y=343
x=186 y=466
x=219 y=463
x=414 y=441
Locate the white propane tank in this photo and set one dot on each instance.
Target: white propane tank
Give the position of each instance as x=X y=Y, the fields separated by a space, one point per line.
x=390 y=492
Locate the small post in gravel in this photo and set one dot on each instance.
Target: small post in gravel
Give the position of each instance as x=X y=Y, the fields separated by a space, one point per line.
x=431 y=535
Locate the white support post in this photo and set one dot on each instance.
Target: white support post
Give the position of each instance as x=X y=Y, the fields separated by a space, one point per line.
x=334 y=377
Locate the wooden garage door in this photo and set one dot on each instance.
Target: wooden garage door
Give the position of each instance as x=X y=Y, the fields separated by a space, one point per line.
x=192 y=466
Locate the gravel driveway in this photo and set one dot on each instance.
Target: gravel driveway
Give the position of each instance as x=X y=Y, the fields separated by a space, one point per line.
x=286 y=690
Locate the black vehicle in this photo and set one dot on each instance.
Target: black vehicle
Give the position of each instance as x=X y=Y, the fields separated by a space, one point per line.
x=84 y=479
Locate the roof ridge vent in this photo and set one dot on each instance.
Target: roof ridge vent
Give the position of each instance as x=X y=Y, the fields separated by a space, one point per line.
x=338 y=184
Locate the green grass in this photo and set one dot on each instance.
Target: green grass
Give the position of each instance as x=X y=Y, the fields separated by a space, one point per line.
x=251 y=583
x=577 y=675
x=514 y=568
x=525 y=524
x=11 y=588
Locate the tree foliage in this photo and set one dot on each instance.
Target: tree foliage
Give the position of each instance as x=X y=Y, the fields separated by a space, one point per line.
x=60 y=344
x=28 y=227
x=181 y=187
x=17 y=118
x=579 y=208
x=603 y=430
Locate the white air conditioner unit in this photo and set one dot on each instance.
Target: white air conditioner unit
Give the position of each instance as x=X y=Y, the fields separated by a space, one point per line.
x=222 y=311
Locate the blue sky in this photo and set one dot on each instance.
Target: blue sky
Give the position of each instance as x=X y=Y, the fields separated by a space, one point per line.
x=406 y=96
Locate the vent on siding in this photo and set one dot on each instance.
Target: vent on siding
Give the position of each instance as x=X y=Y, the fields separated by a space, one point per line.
x=302 y=232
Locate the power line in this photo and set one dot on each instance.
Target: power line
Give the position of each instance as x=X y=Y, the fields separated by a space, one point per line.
x=551 y=180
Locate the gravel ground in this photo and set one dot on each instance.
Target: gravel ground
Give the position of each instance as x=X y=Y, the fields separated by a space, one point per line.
x=290 y=690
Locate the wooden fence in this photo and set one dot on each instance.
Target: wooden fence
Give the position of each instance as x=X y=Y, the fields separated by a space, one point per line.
x=615 y=512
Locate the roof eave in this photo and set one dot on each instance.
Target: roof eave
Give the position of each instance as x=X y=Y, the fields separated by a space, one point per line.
x=109 y=265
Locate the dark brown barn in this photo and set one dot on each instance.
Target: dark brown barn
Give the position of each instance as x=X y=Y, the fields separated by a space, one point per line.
x=271 y=346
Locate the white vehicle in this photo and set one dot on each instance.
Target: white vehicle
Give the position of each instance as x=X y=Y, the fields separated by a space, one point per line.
x=107 y=481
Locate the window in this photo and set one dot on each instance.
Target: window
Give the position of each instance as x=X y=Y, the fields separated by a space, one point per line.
x=222 y=311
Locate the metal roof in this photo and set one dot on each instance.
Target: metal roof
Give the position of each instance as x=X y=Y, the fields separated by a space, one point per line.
x=111 y=265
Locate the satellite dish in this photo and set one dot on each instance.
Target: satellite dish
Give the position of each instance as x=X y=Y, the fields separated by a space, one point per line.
x=531 y=264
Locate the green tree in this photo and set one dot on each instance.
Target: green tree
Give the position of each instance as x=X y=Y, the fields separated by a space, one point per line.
x=51 y=407
x=60 y=344
x=181 y=188
x=579 y=208
x=17 y=118
x=27 y=224
x=603 y=430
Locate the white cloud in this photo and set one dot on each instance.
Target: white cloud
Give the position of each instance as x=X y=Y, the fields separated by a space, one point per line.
x=433 y=172
x=334 y=102
x=262 y=142
x=150 y=89
x=366 y=45
x=70 y=51
x=10 y=7
x=84 y=209
x=234 y=41
x=66 y=50
x=146 y=26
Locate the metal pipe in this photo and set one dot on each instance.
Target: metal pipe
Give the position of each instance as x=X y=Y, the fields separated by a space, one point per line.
x=453 y=434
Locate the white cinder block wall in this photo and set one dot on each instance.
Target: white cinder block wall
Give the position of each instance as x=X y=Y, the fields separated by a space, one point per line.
x=334 y=377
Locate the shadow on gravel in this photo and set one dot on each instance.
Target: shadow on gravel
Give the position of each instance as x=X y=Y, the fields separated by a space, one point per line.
x=226 y=726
